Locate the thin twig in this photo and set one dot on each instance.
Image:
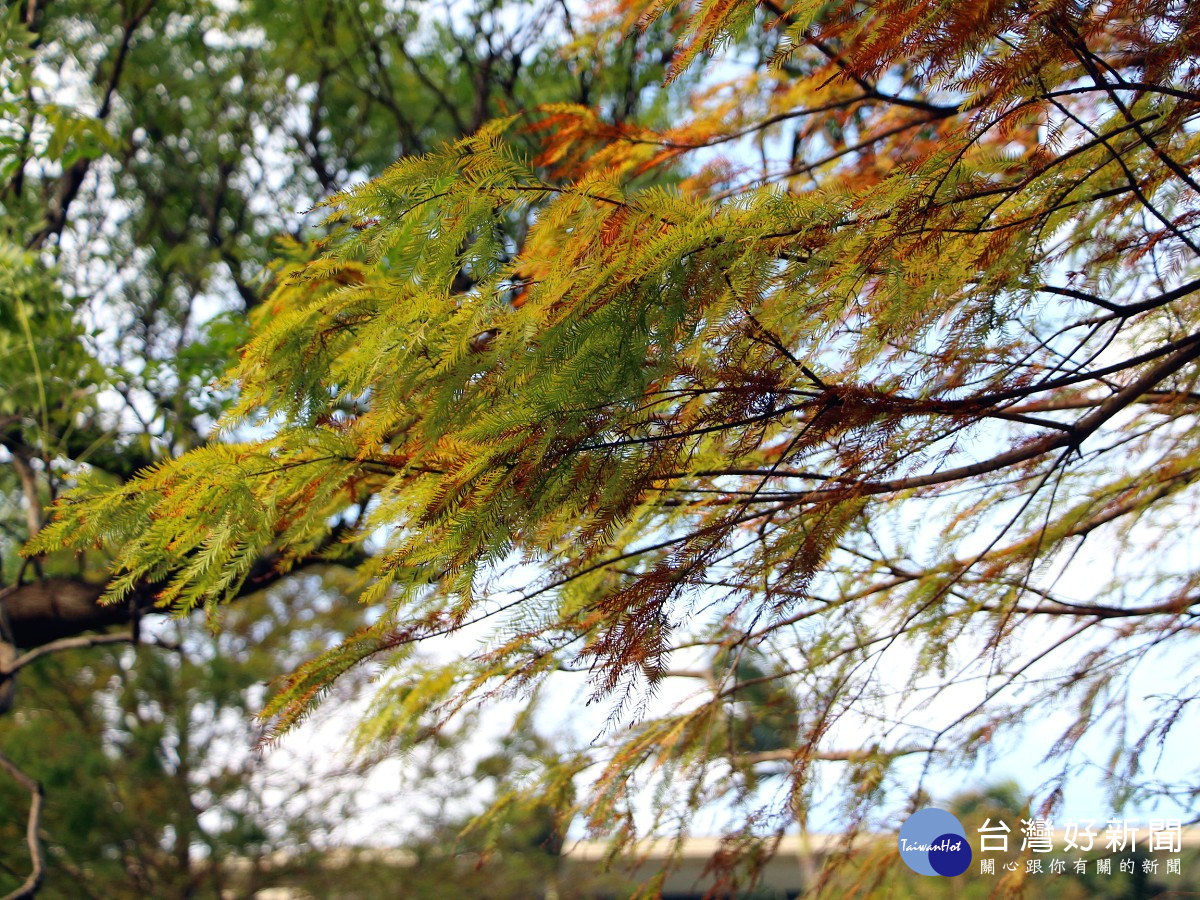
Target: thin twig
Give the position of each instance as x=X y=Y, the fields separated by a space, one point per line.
x=38 y=869
x=69 y=643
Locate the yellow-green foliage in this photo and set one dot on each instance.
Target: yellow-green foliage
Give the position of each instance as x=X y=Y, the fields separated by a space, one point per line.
x=847 y=413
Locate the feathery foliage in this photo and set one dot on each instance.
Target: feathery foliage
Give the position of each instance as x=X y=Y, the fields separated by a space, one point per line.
x=869 y=377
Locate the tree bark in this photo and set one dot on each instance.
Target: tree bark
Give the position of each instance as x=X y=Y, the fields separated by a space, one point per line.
x=53 y=608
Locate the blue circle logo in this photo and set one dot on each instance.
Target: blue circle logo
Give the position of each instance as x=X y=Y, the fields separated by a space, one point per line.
x=933 y=842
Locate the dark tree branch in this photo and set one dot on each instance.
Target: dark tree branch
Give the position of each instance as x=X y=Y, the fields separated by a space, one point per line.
x=53 y=608
x=72 y=179
x=56 y=608
x=800 y=753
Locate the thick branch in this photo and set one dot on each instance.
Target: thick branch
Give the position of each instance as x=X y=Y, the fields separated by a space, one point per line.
x=52 y=609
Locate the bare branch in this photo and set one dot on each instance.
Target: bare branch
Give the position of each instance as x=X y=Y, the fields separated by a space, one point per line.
x=800 y=753
x=38 y=863
x=70 y=643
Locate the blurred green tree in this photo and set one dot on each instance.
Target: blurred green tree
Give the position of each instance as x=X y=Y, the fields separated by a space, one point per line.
x=149 y=763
